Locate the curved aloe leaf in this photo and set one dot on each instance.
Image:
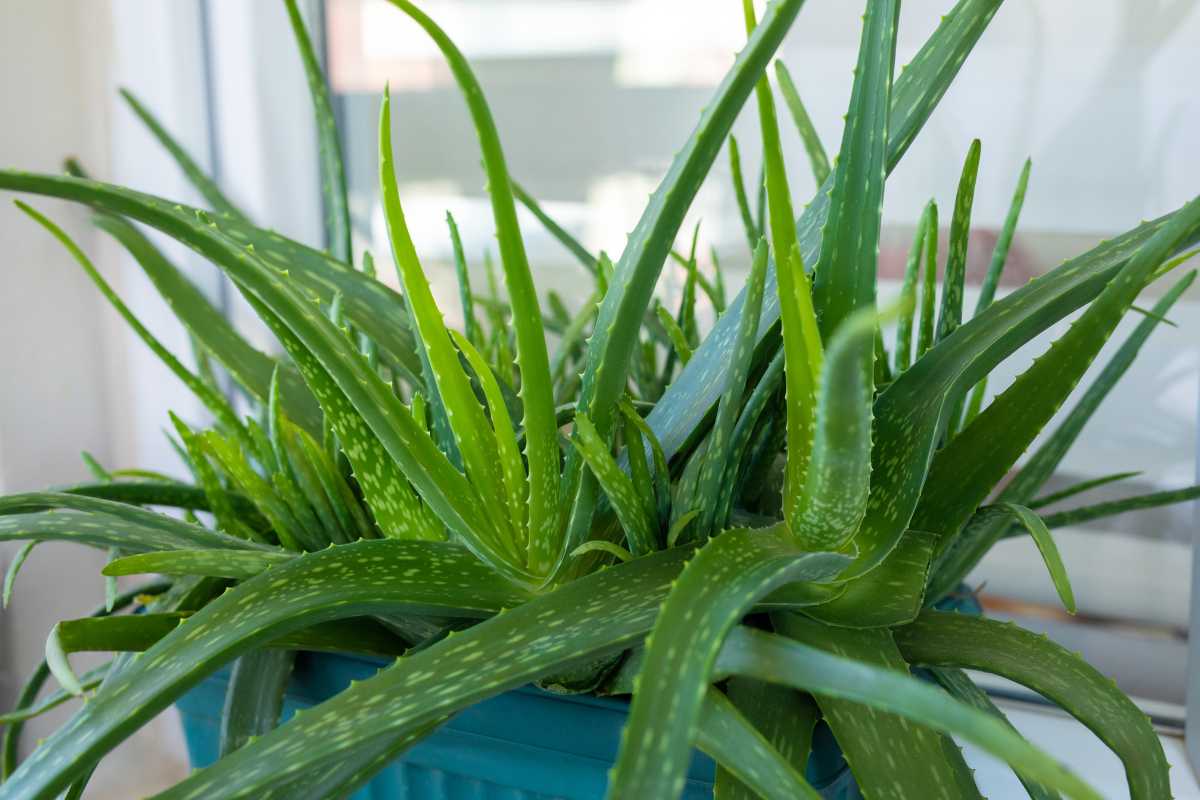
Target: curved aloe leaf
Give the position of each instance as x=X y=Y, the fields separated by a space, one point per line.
x=916 y=92
x=248 y=366
x=353 y=580
x=961 y=687
x=1036 y=528
x=958 y=480
x=776 y=659
x=743 y=752
x=957 y=640
x=254 y=698
x=923 y=763
x=210 y=563
x=333 y=172
x=611 y=348
x=640 y=528
x=978 y=537
x=10 y=574
x=596 y=615
x=783 y=717
x=719 y=585
x=537 y=396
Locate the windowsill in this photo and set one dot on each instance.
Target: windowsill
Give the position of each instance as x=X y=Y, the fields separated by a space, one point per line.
x=1065 y=738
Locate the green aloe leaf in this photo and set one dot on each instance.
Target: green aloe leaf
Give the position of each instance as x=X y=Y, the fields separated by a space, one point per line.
x=845 y=270
x=719 y=585
x=537 y=394
x=929 y=278
x=923 y=763
x=14 y=567
x=679 y=341
x=329 y=149
x=958 y=480
x=776 y=659
x=955 y=276
x=1078 y=516
x=745 y=755
x=219 y=500
x=739 y=192
x=956 y=640
x=908 y=292
x=1079 y=488
x=353 y=580
x=964 y=553
x=87 y=681
x=616 y=332
x=470 y=323
x=215 y=403
x=783 y=717
x=254 y=698
x=573 y=245
x=827 y=508
x=599 y=614
x=248 y=366
x=640 y=528
x=195 y=175
x=916 y=93
x=804 y=125
x=42 y=516
x=210 y=563
x=961 y=687
x=1036 y=528
x=891 y=594
x=710 y=482
x=162 y=493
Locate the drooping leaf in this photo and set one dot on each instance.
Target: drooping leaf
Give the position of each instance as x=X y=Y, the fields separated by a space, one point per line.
x=1036 y=528
x=956 y=640
x=718 y=586
x=744 y=752
x=776 y=659
x=14 y=567
x=921 y=765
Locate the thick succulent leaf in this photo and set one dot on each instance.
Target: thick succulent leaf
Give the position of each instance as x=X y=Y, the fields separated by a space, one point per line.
x=254 y=698
x=782 y=717
x=537 y=396
x=597 y=615
x=472 y=433
x=916 y=93
x=640 y=528
x=846 y=267
x=710 y=482
x=745 y=755
x=826 y=510
x=958 y=480
x=920 y=764
x=248 y=366
x=719 y=585
x=777 y=659
x=329 y=149
x=616 y=332
x=956 y=640
x=889 y=595
x=43 y=516
x=979 y=536
x=358 y=579
x=961 y=687
x=210 y=563
x=804 y=124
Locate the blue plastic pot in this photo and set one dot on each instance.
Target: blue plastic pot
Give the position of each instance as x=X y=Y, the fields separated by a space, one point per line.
x=525 y=744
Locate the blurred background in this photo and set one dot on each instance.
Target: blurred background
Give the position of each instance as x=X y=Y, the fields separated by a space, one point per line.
x=592 y=98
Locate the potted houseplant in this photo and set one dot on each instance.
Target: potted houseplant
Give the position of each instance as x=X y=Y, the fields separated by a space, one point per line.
x=745 y=535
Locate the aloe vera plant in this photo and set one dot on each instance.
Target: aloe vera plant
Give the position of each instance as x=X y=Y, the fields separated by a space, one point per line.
x=745 y=530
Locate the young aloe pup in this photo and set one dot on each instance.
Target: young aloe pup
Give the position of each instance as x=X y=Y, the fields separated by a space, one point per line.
x=743 y=533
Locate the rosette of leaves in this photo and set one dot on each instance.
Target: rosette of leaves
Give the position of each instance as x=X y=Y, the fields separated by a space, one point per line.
x=745 y=530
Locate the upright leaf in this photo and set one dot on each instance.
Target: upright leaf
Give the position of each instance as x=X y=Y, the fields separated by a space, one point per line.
x=808 y=132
